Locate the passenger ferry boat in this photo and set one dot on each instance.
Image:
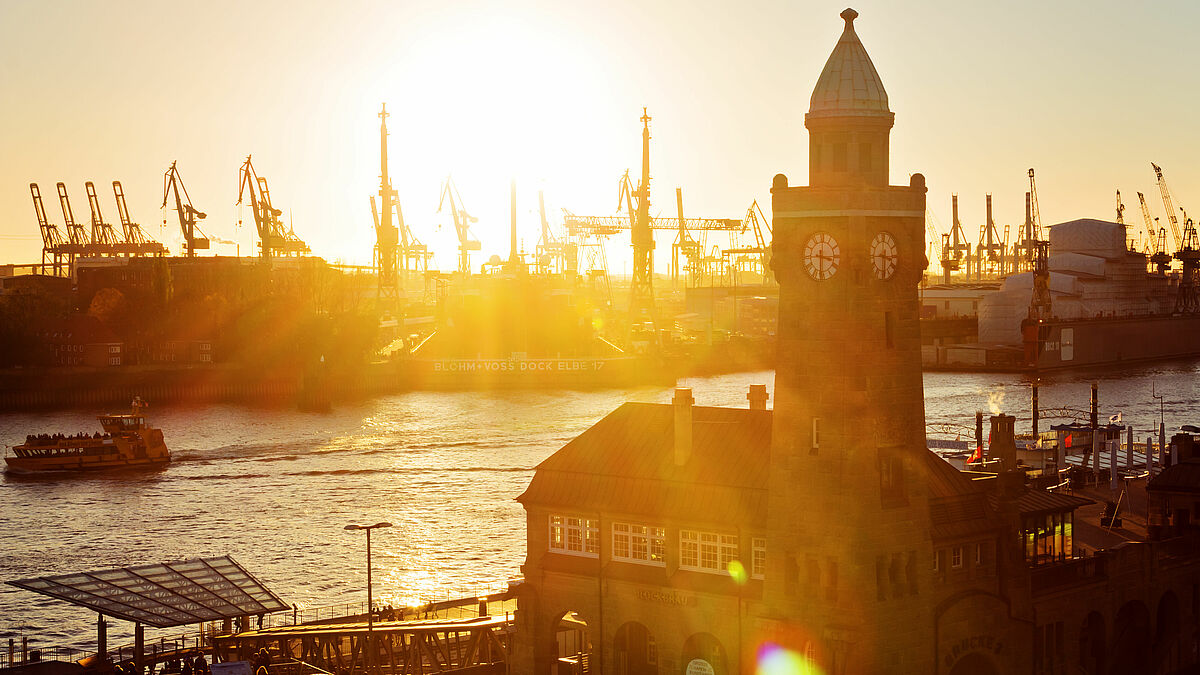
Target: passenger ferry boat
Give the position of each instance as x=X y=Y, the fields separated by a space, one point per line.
x=126 y=442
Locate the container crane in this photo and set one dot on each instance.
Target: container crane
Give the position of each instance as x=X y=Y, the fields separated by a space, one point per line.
x=273 y=239
x=955 y=248
x=54 y=243
x=76 y=234
x=104 y=238
x=193 y=238
x=136 y=241
x=1159 y=257
x=462 y=224
x=990 y=249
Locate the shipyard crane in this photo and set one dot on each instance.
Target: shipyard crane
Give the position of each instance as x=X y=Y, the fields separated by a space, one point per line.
x=462 y=224
x=272 y=237
x=553 y=255
x=761 y=251
x=641 y=285
x=685 y=245
x=1169 y=204
x=193 y=238
x=935 y=239
x=1156 y=240
x=104 y=238
x=387 y=235
x=955 y=248
x=54 y=244
x=136 y=241
x=1187 y=300
x=1120 y=210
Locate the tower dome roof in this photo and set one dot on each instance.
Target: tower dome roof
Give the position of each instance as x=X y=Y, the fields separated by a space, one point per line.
x=849 y=84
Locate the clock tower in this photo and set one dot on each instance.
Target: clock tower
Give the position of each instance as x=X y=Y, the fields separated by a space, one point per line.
x=849 y=551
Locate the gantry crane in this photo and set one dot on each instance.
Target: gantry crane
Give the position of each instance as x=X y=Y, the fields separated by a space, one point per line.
x=273 y=239
x=193 y=238
x=104 y=238
x=1155 y=239
x=137 y=242
x=462 y=224
x=1120 y=210
x=990 y=249
x=1187 y=251
x=54 y=244
x=955 y=248
x=77 y=235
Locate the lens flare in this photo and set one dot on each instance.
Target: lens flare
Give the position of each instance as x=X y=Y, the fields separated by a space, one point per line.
x=776 y=660
x=738 y=571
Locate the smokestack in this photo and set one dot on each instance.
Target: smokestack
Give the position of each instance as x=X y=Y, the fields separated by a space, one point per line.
x=954 y=210
x=682 y=404
x=758 y=397
x=1004 y=442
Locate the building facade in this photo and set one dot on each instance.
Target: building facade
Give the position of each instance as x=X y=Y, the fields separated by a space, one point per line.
x=686 y=540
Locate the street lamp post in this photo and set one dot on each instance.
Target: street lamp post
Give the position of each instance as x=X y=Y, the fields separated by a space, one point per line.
x=370 y=606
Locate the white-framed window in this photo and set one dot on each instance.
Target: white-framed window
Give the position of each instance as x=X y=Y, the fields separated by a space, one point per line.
x=575 y=536
x=758 y=560
x=639 y=543
x=114 y=360
x=114 y=349
x=707 y=551
x=956 y=557
x=206 y=358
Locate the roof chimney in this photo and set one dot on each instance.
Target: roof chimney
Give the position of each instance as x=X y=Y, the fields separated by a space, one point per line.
x=758 y=397
x=1004 y=442
x=682 y=403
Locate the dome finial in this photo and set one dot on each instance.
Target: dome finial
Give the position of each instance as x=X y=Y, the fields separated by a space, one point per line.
x=849 y=15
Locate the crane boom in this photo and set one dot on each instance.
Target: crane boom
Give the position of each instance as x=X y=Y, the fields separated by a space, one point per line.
x=193 y=238
x=136 y=241
x=104 y=239
x=76 y=233
x=1169 y=204
x=271 y=235
x=462 y=224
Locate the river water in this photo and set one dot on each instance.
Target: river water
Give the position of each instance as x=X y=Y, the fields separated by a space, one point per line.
x=275 y=488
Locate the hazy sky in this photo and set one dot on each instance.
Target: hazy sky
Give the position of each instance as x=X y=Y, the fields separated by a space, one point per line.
x=1088 y=93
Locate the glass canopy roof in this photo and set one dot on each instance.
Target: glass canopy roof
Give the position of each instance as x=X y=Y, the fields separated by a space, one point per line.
x=166 y=594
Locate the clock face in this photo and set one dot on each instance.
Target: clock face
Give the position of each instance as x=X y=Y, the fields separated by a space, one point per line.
x=884 y=255
x=821 y=256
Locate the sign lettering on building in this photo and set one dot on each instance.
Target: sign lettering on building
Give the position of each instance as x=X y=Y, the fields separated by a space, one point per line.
x=667 y=598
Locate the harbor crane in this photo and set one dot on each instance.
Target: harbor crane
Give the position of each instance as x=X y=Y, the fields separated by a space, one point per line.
x=193 y=238
x=104 y=238
x=272 y=237
x=1155 y=238
x=684 y=245
x=760 y=253
x=554 y=256
x=76 y=234
x=1187 y=251
x=955 y=249
x=990 y=250
x=54 y=244
x=1120 y=210
x=137 y=242
x=462 y=224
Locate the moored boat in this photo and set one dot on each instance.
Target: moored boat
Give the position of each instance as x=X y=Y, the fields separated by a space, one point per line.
x=127 y=441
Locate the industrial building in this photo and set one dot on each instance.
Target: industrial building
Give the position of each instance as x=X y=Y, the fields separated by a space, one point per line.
x=685 y=539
